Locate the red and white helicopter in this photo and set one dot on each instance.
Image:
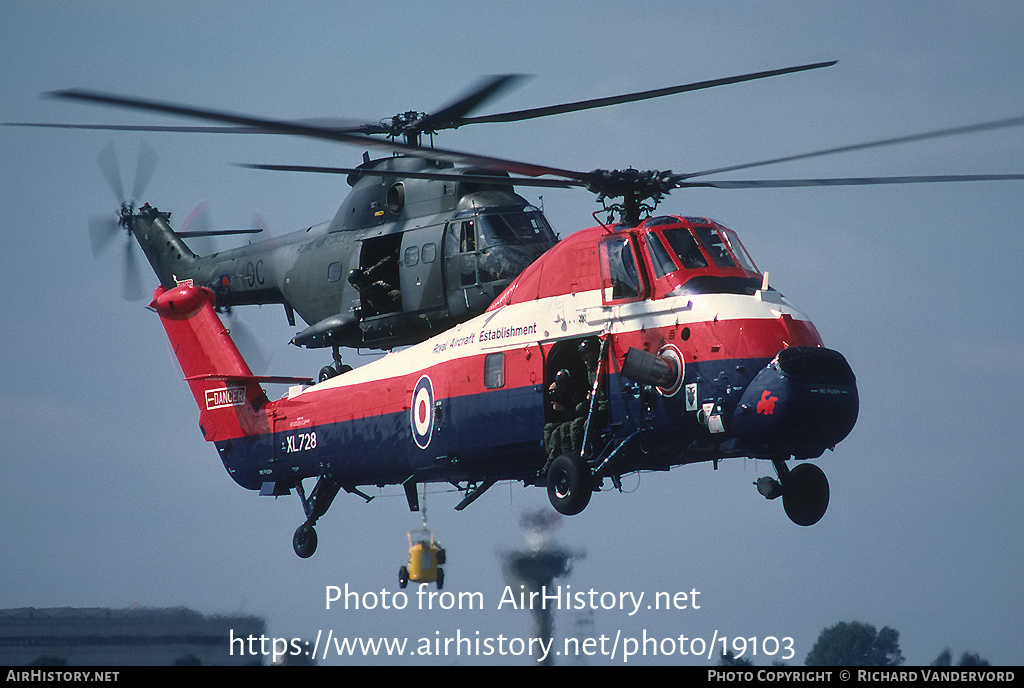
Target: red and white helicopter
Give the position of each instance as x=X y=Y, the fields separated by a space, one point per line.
x=622 y=349
x=641 y=345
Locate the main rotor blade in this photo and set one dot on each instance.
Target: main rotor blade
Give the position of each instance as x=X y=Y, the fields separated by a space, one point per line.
x=848 y=181
x=300 y=129
x=139 y=127
x=322 y=122
x=632 y=97
x=939 y=133
x=441 y=176
x=453 y=114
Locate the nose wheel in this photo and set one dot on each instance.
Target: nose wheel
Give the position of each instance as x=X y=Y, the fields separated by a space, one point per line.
x=804 y=491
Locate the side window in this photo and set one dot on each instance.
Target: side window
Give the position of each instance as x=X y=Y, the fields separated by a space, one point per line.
x=467 y=238
x=494 y=370
x=451 y=239
x=334 y=272
x=412 y=256
x=620 y=276
x=659 y=257
x=460 y=259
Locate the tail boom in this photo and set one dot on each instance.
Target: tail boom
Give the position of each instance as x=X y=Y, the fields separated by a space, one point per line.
x=230 y=399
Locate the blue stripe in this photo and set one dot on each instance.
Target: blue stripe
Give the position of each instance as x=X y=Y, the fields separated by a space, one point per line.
x=498 y=434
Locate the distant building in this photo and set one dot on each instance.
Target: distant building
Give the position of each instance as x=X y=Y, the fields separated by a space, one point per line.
x=122 y=637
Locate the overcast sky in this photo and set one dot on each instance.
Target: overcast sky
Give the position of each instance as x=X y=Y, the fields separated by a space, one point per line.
x=110 y=497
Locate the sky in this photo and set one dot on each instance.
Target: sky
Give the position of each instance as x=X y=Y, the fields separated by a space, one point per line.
x=110 y=497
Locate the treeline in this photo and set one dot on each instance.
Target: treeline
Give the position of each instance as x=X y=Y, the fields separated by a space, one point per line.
x=854 y=643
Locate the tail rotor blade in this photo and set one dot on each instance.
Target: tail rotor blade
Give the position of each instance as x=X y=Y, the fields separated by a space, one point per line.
x=111 y=170
x=254 y=353
x=102 y=231
x=260 y=223
x=131 y=288
x=144 y=169
x=198 y=223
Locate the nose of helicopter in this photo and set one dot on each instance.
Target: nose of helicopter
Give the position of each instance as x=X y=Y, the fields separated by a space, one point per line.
x=802 y=403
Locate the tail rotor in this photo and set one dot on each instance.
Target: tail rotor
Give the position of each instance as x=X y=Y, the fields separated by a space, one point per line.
x=198 y=228
x=104 y=230
x=250 y=346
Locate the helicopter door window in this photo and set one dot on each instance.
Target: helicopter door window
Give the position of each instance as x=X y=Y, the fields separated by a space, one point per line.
x=412 y=256
x=467 y=237
x=460 y=254
x=685 y=247
x=467 y=247
x=621 y=278
x=428 y=254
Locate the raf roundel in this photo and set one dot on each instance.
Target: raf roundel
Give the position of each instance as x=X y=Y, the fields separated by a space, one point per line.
x=422 y=412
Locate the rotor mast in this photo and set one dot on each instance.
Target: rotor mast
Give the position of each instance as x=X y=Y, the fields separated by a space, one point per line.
x=640 y=191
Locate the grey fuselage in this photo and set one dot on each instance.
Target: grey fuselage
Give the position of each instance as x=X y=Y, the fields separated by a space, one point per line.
x=441 y=250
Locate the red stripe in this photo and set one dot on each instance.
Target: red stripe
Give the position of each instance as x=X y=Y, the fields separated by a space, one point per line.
x=707 y=341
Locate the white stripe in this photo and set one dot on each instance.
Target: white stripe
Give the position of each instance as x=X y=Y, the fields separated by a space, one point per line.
x=565 y=316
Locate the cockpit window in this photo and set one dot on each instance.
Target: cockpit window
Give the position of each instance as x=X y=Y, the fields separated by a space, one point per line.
x=742 y=257
x=495 y=245
x=659 y=256
x=716 y=246
x=685 y=246
x=520 y=227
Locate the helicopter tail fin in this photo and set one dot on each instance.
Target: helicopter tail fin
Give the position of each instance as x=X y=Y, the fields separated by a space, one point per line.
x=229 y=396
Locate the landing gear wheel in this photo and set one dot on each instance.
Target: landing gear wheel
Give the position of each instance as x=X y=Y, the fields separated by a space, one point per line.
x=403 y=577
x=569 y=485
x=326 y=373
x=440 y=578
x=304 y=541
x=805 y=494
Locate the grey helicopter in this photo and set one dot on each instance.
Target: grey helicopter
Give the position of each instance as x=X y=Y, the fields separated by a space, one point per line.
x=425 y=239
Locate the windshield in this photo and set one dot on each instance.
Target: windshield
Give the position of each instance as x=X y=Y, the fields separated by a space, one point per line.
x=685 y=246
x=742 y=257
x=724 y=247
x=521 y=227
x=716 y=246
